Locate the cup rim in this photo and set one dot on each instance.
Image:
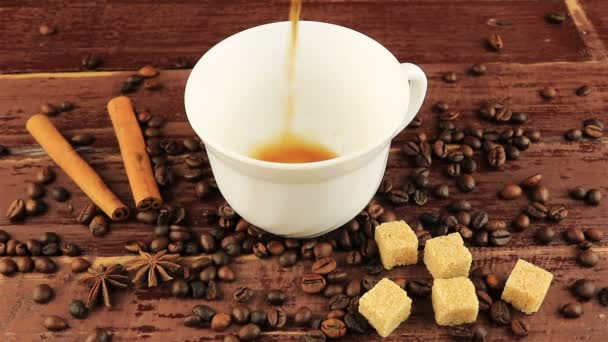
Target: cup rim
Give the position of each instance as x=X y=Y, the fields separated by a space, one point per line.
x=242 y=158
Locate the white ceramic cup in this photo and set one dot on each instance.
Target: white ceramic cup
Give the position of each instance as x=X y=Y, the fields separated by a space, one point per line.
x=352 y=95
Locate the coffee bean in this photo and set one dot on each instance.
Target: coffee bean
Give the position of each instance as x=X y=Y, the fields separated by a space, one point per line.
x=7 y=267
x=339 y=302
x=574 y=235
x=34 y=207
x=540 y=194
x=258 y=317
x=594 y=234
x=220 y=258
x=495 y=42
x=593 y=131
x=602 y=296
x=556 y=17
x=179 y=288
x=387 y=216
x=588 y=258
x=479 y=219
x=288 y=259
x=356 y=323
x=276 y=297
x=466 y=183
x=572 y=310
x=532 y=181
x=336 y=277
x=497 y=157
x=277 y=318
x=578 y=193
x=545 y=235
x=323 y=250
x=60 y=194
x=98 y=335
x=495 y=225
x=42 y=294
x=449 y=116
x=51 y=249
x=314 y=336
x=500 y=237
x=441 y=106
x=208 y=273
x=478 y=69
x=469 y=165
x=55 y=323
x=499 y=312
x=464 y=218
x=202 y=189
x=453 y=170
x=99 y=226
x=557 y=213
x=16 y=210
x=220 y=322
x=419 y=288
x=205 y=312
x=333 y=328
x=450 y=77
x=420 y=197
x=584 y=289
x=520 y=327
x=148 y=216
x=593 y=197
x=240 y=314
x=78 y=309
x=249 y=332
x=442 y=191
x=303 y=316
x=548 y=93
x=519 y=118
x=416 y=122
x=485 y=301
x=24 y=264
x=573 y=134
x=339 y=314
x=87 y=213
x=459 y=205
x=193 y=321
x=324 y=265
x=354 y=258
x=481 y=238
x=536 y=210
x=464 y=231
x=225 y=273
x=594 y=121
x=44 y=265
x=82 y=140
x=410 y=149
x=510 y=192
x=34 y=190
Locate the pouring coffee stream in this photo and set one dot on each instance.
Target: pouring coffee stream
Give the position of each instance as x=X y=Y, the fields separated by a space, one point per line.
x=289 y=147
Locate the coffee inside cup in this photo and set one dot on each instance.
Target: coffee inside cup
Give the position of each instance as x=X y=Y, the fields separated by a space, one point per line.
x=288 y=147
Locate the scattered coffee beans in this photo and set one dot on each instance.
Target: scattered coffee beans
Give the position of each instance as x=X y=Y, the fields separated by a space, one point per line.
x=42 y=294
x=572 y=310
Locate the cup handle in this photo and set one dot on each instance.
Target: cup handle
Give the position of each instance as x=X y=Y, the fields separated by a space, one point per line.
x=418 y=84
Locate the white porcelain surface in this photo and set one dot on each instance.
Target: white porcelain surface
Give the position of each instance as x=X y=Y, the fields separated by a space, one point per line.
x=352 y=96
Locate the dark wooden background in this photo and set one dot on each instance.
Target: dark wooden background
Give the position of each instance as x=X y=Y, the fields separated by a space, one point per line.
x=440 y=35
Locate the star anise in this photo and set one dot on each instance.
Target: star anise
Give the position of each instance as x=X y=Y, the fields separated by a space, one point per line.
x=149 y=265
x=101 y=279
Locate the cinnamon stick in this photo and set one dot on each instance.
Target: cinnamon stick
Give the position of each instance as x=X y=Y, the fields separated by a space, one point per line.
x=64 y=155
x=134 y=155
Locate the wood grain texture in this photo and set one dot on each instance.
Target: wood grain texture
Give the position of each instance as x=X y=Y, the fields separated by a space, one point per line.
x=125 y=34
x=595 y=11
x=151 y=315
x=442 y=35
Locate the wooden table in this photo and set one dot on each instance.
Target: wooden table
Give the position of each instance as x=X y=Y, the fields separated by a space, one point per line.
x=440 y=35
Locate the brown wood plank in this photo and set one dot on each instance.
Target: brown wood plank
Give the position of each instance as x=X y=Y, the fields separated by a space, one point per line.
x=125 y=34
x=152 y=315
x=23 y=95
x=596 y=12
x=585 y=164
